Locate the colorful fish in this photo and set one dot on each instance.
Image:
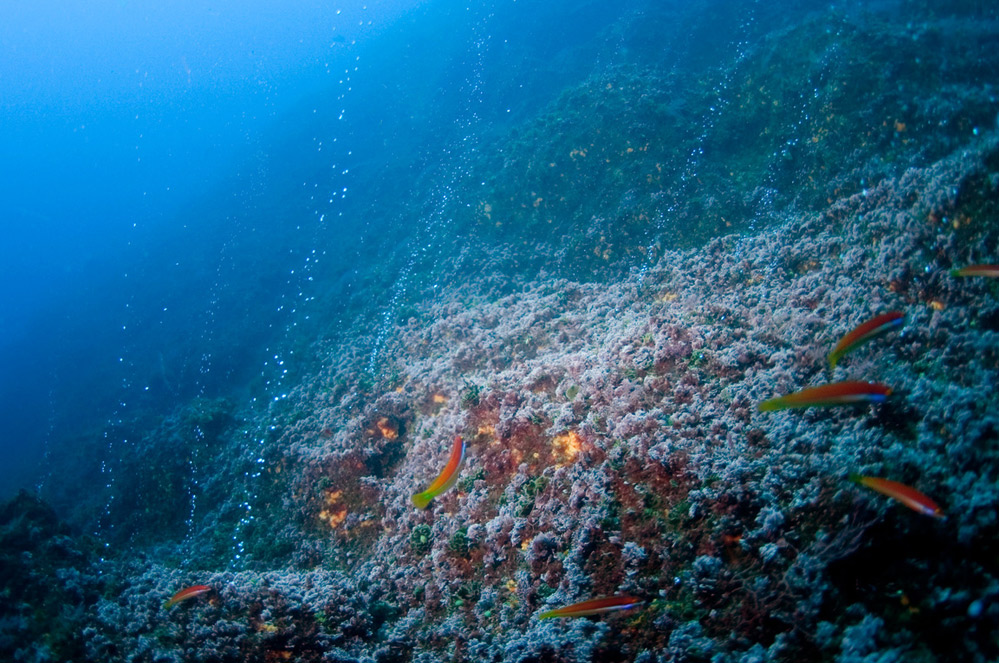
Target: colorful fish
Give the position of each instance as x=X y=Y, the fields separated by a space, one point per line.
x=991 y=271
x=836 y=393
x=877 y=325
x=596 y=606
x=447 y=478
x=187 y=593
x=907 y=495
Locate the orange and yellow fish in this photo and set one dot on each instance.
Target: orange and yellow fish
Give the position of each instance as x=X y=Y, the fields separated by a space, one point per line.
x=835 y=393
x=596 y=606
x=907 y=495
x=447 y=478
x=864 y=332
x=991 y=271
x=187 y=593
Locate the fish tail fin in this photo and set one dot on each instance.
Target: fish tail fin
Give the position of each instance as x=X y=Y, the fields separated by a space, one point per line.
x=770 y=405
x=855 y=478
x=421 y=500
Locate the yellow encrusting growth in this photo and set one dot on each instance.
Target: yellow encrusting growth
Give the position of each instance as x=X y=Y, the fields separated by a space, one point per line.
x=567 y=447
x=388 y=428
x=335 y=512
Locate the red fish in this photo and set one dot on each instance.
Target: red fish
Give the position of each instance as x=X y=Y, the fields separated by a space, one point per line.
x=836 y=393
x=596 y=606
x=447 y=478
x=879 y=324
x=907 y=495
x=187 y=593
x=977 y=270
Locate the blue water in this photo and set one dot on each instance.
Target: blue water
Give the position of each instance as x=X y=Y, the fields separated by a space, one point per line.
x=132 y=137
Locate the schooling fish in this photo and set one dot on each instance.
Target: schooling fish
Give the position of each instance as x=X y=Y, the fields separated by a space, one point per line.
x=836 y=393
x=447 y=478
x=907 y=495
x=877 y=325
x=977 y=270
x=597 y=606
x=187 y=593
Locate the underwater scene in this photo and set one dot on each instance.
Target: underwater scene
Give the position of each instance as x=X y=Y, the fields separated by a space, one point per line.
x=519 y=331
